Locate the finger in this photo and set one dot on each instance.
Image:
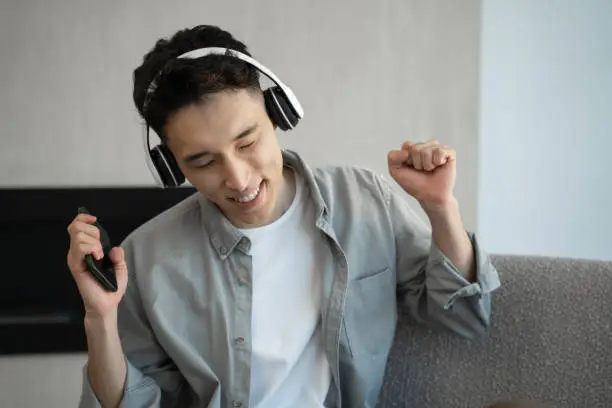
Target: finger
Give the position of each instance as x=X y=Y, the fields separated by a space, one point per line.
x=397 y=158
x=415 y=149
x=443 y=155
x=439 y=157
x=451 y=154
x=80 y=226
x=86 y=248
x=427 y=159
x=88 y=218
x=408 y=145
x=82 y=218
x=82 y=238
x=417 y=161
x=425 y=151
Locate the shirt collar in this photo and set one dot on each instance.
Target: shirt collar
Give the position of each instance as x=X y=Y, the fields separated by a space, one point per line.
x=224 y=237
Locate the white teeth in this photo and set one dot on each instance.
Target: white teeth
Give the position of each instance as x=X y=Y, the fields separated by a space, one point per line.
x=249 y=197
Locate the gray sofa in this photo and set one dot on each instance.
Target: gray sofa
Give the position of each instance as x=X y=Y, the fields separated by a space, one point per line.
x=550 y=341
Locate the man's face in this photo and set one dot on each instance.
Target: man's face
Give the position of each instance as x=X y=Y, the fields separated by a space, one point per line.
x=227 y=148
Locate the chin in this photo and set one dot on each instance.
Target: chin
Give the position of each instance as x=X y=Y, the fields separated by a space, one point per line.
x=258 y=219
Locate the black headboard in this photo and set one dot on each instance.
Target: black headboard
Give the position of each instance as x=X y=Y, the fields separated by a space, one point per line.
x=40 y=308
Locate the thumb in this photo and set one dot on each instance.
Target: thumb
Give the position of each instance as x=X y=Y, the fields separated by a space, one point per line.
x=117 y=256
x=397 y=158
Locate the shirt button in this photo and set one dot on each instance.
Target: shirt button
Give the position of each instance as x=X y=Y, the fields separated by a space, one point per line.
x=236 y=404
x=239 y=340
x=223 y=250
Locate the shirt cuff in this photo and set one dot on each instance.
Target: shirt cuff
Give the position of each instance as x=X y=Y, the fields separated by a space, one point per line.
x=135 y=382
x=88 y=397
x=487 y=278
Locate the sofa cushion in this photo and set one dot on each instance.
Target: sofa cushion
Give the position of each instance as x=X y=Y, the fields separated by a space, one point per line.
x=550 y=340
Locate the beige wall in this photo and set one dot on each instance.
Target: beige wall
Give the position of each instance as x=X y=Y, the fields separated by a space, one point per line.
x=369 y=74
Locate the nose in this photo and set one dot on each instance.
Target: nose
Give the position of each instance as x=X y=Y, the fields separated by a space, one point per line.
x=236 y=174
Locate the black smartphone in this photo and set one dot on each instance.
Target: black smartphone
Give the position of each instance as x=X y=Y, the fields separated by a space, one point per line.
x=103 y=270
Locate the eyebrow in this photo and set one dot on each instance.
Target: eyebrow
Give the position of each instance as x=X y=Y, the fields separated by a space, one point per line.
x=241 y=135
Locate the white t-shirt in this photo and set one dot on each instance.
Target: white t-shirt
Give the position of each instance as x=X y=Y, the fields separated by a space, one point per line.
x=289 y=365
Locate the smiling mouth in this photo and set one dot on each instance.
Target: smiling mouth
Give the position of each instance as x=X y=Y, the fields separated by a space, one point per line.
x=248 y=197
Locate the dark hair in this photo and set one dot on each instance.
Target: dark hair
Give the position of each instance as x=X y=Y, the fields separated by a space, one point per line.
x=179 y=82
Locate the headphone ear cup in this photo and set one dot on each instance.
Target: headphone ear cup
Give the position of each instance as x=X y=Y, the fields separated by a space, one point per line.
x=279 y=108
x=166 y=166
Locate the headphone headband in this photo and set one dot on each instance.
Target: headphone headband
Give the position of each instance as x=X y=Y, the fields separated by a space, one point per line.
x=203 y=52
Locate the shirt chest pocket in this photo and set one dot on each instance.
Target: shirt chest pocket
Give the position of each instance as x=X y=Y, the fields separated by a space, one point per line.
x=371 y=312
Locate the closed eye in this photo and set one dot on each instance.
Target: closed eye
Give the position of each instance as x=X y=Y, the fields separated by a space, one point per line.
x=202 y=166
x=246 y=146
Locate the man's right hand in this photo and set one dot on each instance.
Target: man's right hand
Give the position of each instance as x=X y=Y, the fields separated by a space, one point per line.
x=84 y=240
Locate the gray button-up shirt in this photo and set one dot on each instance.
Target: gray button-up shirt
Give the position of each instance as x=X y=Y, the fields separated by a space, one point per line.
x=185 y=320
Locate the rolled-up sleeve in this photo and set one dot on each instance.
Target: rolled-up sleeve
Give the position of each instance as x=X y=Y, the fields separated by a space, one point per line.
x=139 y=390
x=459 y=305
x=429 y=286
x=453 y=284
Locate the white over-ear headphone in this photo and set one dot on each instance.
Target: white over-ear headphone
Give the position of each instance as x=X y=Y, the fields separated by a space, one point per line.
x=281 y=103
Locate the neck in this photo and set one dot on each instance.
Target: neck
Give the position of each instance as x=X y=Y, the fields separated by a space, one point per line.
x=286 y=193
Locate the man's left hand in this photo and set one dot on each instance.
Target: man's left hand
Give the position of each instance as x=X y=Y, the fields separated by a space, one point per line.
x=426 y=171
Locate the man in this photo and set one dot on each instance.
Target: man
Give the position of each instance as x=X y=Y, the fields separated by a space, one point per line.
x=276 y=285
